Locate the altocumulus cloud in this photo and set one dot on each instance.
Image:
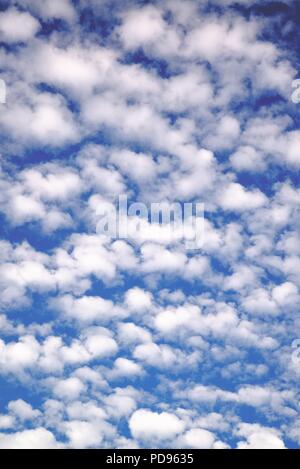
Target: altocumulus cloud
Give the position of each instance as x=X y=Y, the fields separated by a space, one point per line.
x=140 y=342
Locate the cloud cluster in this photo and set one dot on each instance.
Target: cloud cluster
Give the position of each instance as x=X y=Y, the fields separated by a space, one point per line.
x=140 y=342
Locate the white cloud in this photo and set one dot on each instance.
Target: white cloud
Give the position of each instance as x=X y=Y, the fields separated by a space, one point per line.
x=147 y=425
x=198 y=438
x=23 y=410
x=69 y=388
x=141 y=27
x=138 y=300
x=121 y=403
x=260 y=302
x=236 y=198
x=6 y=422
x=247 y=158
x=85 y=434
x=285 y=294
x=16 y=356
x=48 y=120
x=90 y=411
x=130 y=333
x=259 y=437
x=39 y=438
x=51 y=182
x=52 y=9
x=125 y=368
x=164 y=357
x=158 y=259
x=86 y=309
x=137 y=166
x=99 y=343
x=292 y=153
x=17 y=26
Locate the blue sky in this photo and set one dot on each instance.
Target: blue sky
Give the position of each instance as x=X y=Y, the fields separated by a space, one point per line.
x=140 y=342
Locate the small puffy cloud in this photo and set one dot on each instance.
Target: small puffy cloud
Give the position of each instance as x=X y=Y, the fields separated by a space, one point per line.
x=138 y=300
x=86 y=309
x=247 y=158
x=292 y=154
x=90 y=411
x=51 y=182
x=147 y=425
x=198 y=438
x=141 y=27
x=17 y=26
x=260 y=302
x=50 y=9
x=243 y=277
x=7 y=422
x=225 y=135
x=38 y=438
x=48 y=120
x=121 y=403
x=74 y=69
x=158 y=259
x=255 y=396
x=125 y=368
x=183 y=317
x=23 y=410
x=130 y=333
x=286 y=294
x=236 y=198
x=17 y=356
x=69 y=389
x=26 y=209
x=160 y=356
x=138 y=166
x=259 y=437
x=99 y=343
x=82 y=434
